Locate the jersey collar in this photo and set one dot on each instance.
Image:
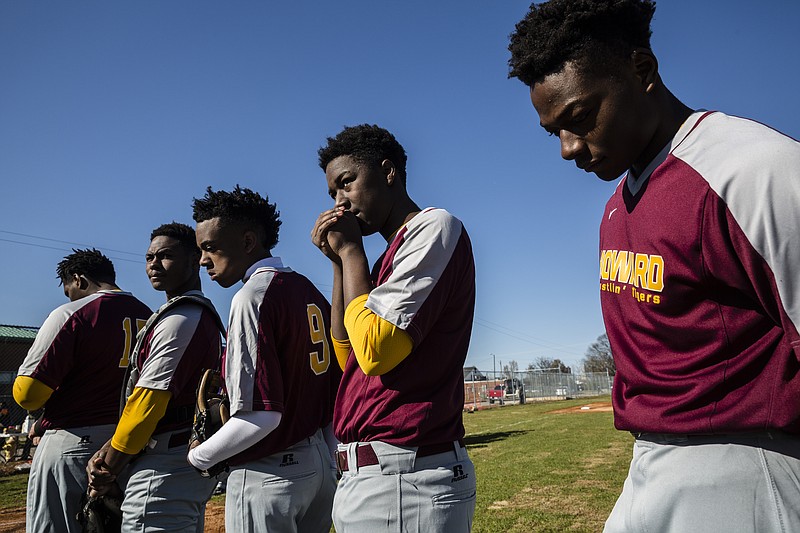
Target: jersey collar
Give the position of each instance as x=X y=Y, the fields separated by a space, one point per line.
x=267 y=262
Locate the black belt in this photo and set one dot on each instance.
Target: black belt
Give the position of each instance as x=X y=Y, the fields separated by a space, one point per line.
x=179 y=439
x=366 y=456
x=178 y=415
x=678 y=437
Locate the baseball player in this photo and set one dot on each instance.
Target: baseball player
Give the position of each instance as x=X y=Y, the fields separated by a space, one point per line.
x=699 y=252
x=278 y=374
x=401 y=335
x=74 y=369
x=162 y=492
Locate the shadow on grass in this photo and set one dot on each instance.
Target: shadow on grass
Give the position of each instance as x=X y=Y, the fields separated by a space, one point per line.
x=482 y=439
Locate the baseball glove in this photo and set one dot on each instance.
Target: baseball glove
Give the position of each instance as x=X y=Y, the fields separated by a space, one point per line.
x=211 y=412
x=100 y=515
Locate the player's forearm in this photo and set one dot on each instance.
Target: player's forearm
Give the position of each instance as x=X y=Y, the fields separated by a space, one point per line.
x=115 y=461
x=355 y=273
x=242 y=431
x=337 y=304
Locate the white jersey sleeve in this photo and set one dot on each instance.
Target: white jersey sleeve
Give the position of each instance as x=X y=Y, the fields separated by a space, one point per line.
x=168 y=343
x=241 y=352
x=428 y=242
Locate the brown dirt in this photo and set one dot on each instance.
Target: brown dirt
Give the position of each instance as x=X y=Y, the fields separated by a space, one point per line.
x=13 y=520
x=215 y=518
x=596 y=407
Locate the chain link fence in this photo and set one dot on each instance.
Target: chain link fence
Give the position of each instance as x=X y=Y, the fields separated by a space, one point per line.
x=15 y=341
x=533 y=385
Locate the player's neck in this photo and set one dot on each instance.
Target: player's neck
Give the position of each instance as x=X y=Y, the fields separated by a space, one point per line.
x=404 y=210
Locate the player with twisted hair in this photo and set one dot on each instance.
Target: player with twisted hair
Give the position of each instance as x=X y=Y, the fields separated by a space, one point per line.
x=699 y=253
x=401 y=334
x=74 y=369
x=278 y=374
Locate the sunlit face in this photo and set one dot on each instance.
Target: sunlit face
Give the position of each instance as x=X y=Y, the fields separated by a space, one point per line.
x=362 y=189
x=171 y=267
x=602 y=123
x=223 y=250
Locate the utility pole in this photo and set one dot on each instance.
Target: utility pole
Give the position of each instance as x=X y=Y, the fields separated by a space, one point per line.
x=494 y=367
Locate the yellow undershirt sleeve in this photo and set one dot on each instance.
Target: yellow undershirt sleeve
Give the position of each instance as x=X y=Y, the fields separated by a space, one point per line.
x=341 y=349
x=145 y=407
x=31 y=394
x=379 y=345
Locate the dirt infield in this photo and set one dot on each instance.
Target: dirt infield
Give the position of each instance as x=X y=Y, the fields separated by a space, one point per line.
x=13 y=520
x=596 y=407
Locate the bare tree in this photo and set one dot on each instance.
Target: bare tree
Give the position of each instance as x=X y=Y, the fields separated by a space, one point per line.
x=545 y=363
x=510 y=369
x=598 y=357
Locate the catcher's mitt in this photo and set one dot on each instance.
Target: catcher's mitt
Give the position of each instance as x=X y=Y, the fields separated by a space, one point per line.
x=211 y=412
x=100 y=515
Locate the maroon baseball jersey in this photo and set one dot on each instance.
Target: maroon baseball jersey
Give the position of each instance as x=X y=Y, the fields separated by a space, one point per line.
x=184 y=342
x=81 y=351
x=699 y=283
x=279 y=355
x=425 y=285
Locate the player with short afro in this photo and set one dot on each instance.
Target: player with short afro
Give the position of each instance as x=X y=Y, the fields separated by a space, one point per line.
x=598 y=36
x=368 y=144
x=401 y=334
x=278 y=374
x=699 y=253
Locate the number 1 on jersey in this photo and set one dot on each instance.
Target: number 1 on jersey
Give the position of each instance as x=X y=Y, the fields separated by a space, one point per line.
x=129 y=336
x=316 y=325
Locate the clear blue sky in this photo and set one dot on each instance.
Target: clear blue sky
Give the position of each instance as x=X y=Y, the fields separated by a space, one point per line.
x=114 y=115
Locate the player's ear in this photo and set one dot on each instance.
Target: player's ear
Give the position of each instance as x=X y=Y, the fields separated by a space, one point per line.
x=389 y=171
x=250 y=241
x=81 y=281
x=645 y=66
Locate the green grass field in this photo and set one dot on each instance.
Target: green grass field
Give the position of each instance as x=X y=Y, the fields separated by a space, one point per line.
x=538 y=470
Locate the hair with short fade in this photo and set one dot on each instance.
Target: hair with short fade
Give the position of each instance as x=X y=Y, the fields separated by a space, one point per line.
x=365 y=143
x=597 y=34
x=89 y=263
x=182 y=233
x=242 y=206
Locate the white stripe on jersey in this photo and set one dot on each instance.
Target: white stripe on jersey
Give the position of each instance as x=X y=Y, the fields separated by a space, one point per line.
x=755 y=170
x=241 y=352
x=429 y=242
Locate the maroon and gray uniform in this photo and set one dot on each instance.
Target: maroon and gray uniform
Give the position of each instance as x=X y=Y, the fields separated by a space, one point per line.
x=162 y=490
x=411 y=416
x=81 y=351
x=701 y=301
x=185 y=342
x=279 y=357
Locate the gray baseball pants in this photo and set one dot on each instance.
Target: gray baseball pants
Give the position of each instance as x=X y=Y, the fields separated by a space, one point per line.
x=287 y=492
x=404 y=493
x=163 y=492
x=58 y=477
x=708 y=484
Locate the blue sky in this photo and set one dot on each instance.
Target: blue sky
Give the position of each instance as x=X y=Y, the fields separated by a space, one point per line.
x=113 y=116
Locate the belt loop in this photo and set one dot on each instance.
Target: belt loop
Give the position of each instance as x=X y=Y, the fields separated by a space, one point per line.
x=352 y=457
